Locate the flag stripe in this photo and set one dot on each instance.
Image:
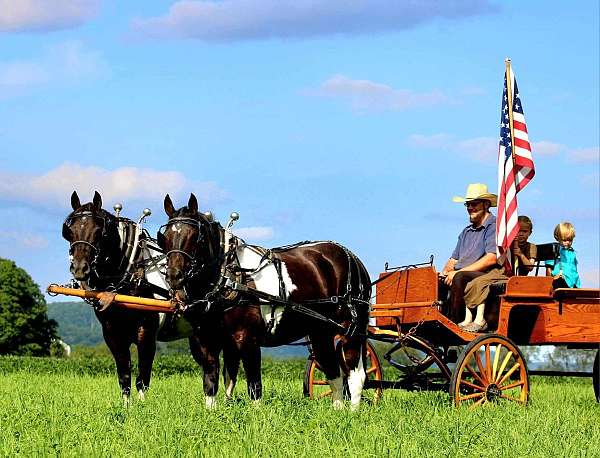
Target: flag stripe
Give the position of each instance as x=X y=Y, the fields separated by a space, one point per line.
x=515 y=169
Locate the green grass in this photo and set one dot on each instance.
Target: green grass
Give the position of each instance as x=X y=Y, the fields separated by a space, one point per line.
x=45 y=413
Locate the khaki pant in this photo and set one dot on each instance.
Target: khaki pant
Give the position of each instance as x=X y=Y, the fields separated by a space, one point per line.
x=477 y=290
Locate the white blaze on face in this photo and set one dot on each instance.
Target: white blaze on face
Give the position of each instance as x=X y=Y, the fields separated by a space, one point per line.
x=356 y=381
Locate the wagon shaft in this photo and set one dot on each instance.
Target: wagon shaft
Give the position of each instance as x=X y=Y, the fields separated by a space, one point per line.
x=120 y=300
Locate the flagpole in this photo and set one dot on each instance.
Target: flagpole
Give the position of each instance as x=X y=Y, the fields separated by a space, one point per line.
x=512 y=132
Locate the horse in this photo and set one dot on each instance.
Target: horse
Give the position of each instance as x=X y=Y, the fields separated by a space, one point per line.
x=240 y=297
x=100 y=246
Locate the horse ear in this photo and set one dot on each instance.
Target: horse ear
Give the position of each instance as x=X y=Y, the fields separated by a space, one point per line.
x=75 y=203
x=193 y=203
x=97 y=200
x=169 y=209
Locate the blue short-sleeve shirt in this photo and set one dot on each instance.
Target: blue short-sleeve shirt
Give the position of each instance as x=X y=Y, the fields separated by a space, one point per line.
x=475 y=242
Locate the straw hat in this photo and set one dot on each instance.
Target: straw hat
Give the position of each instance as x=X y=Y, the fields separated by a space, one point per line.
x=477 y=191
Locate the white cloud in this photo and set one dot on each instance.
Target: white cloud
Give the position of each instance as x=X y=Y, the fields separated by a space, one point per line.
x=54 y=188
x=479 y=149
x=255 y=233
x=365 y=95
x=585 y=154
x=67 y=62
x=546 y=148
x=45 y=15
x=485 y=149
x=25 y=239
x=235 y=20
x=435 y=141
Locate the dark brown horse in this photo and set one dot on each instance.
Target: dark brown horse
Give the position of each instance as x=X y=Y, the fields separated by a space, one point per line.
x=320 y=290
x=100 y=245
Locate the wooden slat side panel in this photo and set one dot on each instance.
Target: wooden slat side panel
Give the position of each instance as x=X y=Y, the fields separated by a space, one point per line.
x=576 y=321
x=530 y=287
x=412 y=285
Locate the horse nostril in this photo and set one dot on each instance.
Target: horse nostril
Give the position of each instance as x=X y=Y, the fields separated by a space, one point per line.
x=174 y=277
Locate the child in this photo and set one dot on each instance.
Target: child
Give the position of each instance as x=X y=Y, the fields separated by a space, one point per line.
x=477 y=290
x=564 y=269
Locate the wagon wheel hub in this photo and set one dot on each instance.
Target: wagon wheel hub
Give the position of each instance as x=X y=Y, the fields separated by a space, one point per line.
x=492 y=392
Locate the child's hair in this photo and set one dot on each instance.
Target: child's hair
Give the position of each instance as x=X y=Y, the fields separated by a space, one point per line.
x=564 y=231
x=524 y=220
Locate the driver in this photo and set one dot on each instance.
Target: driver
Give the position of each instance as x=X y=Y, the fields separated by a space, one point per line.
x=475 y=252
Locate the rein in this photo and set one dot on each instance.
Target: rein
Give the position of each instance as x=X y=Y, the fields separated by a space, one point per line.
x=225 y=285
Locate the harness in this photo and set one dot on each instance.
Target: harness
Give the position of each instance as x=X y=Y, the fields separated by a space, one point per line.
x=127 y=277
x=231 y=289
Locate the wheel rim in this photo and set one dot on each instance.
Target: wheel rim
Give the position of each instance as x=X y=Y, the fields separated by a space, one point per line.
x=319 y=387
x=492 y=370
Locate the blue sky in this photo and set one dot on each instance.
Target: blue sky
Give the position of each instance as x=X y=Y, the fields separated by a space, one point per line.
x=355 y=121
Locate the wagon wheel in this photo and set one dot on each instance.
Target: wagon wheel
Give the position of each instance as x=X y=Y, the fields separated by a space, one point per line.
x=596 y=376
x=316 y=386
x=413 y=356
x=491 y=368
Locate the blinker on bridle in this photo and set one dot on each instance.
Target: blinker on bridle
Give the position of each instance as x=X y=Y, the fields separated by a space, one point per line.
x=71 y=220
x=161 y=238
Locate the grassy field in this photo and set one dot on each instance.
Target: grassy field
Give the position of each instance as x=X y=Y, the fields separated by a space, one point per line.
x=49 y=411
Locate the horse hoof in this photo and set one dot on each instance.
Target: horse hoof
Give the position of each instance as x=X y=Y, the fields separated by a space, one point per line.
x=210 y=402
x=126 y=401
x=354 y=407
x=141 y=395
x=338 y=405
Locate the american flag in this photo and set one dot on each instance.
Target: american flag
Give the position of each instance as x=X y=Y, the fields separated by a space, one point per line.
x=515 y=168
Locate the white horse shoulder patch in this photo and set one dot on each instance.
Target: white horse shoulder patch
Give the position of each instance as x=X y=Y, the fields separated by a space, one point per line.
x=266 y=279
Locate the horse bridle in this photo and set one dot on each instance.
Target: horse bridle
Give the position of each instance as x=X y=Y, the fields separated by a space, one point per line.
x=194 y=267
x=95 y=247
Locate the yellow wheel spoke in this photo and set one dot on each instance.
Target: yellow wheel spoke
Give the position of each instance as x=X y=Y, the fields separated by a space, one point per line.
x=470 y=396
x=510 y=398
x=482 y=401
x=472 y=385
x=320 y=382
x=488 y=362
x=512 y=385
x=509 y=373
x=503 y=365
x=496 y=359
x=371 y=370
x=324 y=394
x=482 y=371
x=475 y=374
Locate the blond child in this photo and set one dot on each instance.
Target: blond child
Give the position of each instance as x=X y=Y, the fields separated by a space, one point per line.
x=564 y=268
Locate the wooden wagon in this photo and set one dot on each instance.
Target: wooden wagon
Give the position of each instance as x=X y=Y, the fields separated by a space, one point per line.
x=476 y=368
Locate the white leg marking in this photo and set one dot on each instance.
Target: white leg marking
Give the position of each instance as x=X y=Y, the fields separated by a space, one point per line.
x=210 y=402
x=356 y=381
x=230 y=386
x=126 y=400
x=337 y=392
x=141 y=395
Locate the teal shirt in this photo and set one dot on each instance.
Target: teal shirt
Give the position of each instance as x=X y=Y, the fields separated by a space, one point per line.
x=567 y=264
